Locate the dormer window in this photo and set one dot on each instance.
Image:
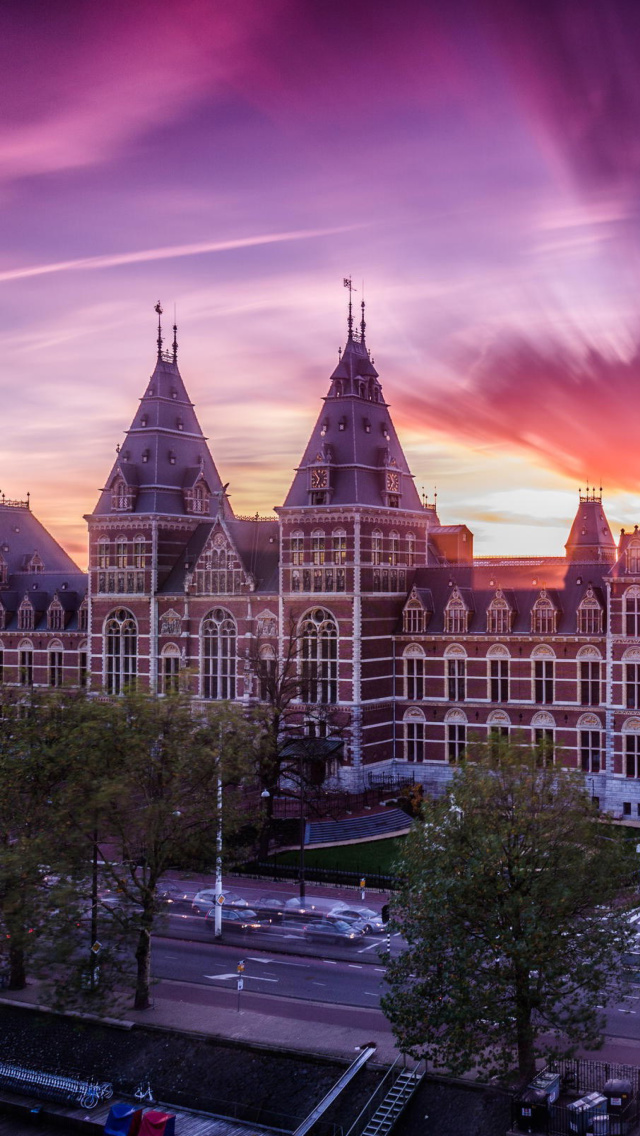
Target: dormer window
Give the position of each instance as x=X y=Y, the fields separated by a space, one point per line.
x=633 y=559
x=456 y=615
x=145 y=456
x=367 y=425
x=589 y=614
x=143 y=420
x=25 y=616
x=498 y=616
x=324 y=427
x=4 y=570
x=35 y=564
x=179 y=424
x=414 y=618
x=544 y=616
x=342 y=424
x=121 y=497
x=197 y=499
x=174 y=394
x=55 y=616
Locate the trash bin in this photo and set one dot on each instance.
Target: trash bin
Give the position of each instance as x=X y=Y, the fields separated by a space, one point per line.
x=581 y=1112
x=155 y=1123
x=532 y=1111
x=548 y=1083
x=123 y=1120
x=601 y=1124
x=618 y=1093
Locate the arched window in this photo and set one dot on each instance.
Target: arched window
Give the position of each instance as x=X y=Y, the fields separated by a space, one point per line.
x=25 y=658
x=631 y=675
x=121 y=651
x=455 y=722
x=170 y=669
x=631 y=736
x=266 y=673
x=632 y=612
x=590 y=737
x=411 y=550
x=297 y=548
x=319 y=653
x=414 y=673
x=56 y=663
x=543 y=616
x=121 y=552
x=498 y=725
x=103 y=553
x=543 y=674
x=218 y=655
x=4 y=570
x=317 y=546
x=414 y=617
x=414 y=729
x=120 y=495
x=544 y=736
x=138 y=552
x=376 y=547
x=589 y=674
x=394 y=548
x=456 y=673
x=339 y=542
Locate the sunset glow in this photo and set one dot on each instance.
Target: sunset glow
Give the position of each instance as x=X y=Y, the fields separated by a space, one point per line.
x=475 y=164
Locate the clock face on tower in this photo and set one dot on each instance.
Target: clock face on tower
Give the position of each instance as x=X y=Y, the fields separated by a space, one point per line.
x=319 y=479
x=393 y=481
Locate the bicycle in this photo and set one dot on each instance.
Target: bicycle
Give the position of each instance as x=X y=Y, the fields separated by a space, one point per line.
x=143 y=1092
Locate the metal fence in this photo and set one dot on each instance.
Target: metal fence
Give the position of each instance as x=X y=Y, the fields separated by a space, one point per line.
x=577 y=1078
x=340 y=877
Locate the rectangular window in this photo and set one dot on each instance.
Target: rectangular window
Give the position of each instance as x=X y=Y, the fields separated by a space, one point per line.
x=170 y=674
x=499 y=680
x=455 y=620
x=26 y=668
x=328 y=579
x=83 y=668
x=394 y=546
x=415 y=741
x=589 y=620
x=1 y=666
x=543 y=680
x=414 y=678
x=590 y=682
x=632 y=685
x=55 y=668
x=297 y=548
x=456 y=679
x=339 y=548
x=376 y=548
x=456 y=741
x=414 y=620
x=340 y=580
x=632 y=755
x=317 y=579
x=544 y=742
x=590 y=751
x=632 y=616
x=317 y=548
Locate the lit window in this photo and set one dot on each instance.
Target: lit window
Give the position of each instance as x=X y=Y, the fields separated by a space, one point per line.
x=411 y=550
x=297 y=548
x=103 y=554
x=394 y=547
x=138 y=552
x=376 y=547
x=317 y=547
x=339 y=542
x=121 y=553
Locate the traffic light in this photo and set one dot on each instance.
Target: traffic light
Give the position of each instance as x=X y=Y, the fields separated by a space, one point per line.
x=385 y=912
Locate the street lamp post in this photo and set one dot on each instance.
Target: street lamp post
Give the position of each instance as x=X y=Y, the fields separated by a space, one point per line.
x=301 y=880
x=217 y=924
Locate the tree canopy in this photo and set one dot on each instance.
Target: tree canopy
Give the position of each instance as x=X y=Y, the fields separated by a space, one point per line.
x=514 y=915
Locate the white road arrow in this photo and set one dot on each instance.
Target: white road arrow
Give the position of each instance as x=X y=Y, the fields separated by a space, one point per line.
x=255 y=977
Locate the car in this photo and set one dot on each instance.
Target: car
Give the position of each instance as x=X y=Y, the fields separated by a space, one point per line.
x=234 y=919
x=332 y=931
x=205 y=899
x=311 y=905
x=285 y=928
x=370 y=920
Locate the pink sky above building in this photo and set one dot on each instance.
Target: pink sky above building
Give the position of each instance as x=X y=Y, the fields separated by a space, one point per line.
x=476 y=164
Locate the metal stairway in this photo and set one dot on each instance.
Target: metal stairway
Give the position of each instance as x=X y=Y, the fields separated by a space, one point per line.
x=391 y=1106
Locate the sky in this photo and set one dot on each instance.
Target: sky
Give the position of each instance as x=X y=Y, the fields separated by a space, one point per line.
x=474 y=166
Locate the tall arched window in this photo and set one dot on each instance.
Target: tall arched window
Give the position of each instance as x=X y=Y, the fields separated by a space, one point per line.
x=169 y=669
x=218 y=655
x=121 y=552
x=414 y=735
x=632 y=612
x=319 y=651
x=121 y=651
x=414 y=660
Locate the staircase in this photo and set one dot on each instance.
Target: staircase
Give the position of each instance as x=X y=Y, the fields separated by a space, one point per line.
x=402 y=1087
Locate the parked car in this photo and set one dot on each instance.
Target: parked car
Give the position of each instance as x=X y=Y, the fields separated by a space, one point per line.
x=206 y=898
x=285 y=928
x=332 y=931
x=234 y=919
x=312 y=905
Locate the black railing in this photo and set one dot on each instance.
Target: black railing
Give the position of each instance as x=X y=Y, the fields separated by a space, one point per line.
x=577 y=1079
x=340 y=877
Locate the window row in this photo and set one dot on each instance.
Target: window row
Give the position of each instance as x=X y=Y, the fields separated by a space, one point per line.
x=58 y=671
x=57 y=618
x=500 y=618
x=121 y=552
x=318 y=580
x=498 y=680
x=458 y=737
x=321 y=548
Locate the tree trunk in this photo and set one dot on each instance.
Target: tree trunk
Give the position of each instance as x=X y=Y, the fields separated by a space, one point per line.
x=264 y=835
x=143 y=977
x=17 y=970
x=524 y=1030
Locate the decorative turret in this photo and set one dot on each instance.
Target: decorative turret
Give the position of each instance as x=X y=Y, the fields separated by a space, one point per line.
x=354 y=456
x=590 y=538
x=164 y=466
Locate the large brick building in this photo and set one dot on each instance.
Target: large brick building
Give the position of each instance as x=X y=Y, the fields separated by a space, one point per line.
x=415 y=646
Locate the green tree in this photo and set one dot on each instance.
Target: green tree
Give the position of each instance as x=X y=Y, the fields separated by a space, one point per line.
x=514 y=916
x=145 y=793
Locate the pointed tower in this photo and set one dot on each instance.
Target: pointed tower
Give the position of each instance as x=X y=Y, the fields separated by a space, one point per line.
x=163 y=489
x=590 y=539
x=353 y=524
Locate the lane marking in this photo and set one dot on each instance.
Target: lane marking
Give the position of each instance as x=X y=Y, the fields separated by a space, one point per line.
x=313 y=983
x=361 y=950
x=256 y=977
x=254 y=958
x=380 y=969
x=329 y=962
x=285 y=962
x=355 y=965
x=371 y=994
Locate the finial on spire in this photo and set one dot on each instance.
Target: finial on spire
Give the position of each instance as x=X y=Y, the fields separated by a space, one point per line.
x=362 y=323
x=158 y=309
x=347 y=283
x=175 y=335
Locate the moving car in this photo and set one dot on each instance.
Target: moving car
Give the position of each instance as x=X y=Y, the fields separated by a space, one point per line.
x=330 y=931
x=234 y=919
x=370 y=920
x=205 y=899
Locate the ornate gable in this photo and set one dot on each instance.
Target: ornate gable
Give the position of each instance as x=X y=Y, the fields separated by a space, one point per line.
x=123 y=495
x=218 y=570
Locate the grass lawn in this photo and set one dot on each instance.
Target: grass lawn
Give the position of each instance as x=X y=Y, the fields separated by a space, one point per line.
x=374 y=856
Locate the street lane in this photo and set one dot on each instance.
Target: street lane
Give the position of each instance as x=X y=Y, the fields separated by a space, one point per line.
x=311 y=979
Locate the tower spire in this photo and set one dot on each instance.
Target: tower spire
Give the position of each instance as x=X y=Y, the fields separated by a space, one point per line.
x=347 y=283
x=175 y=336
x=362 y=323
x=158 y=309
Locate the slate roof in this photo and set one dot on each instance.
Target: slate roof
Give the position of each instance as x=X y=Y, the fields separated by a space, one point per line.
x=257 y=545
x=355 y=432
x=590 y=533
x=22 y=534
x=565 y=584
x=165 y=451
